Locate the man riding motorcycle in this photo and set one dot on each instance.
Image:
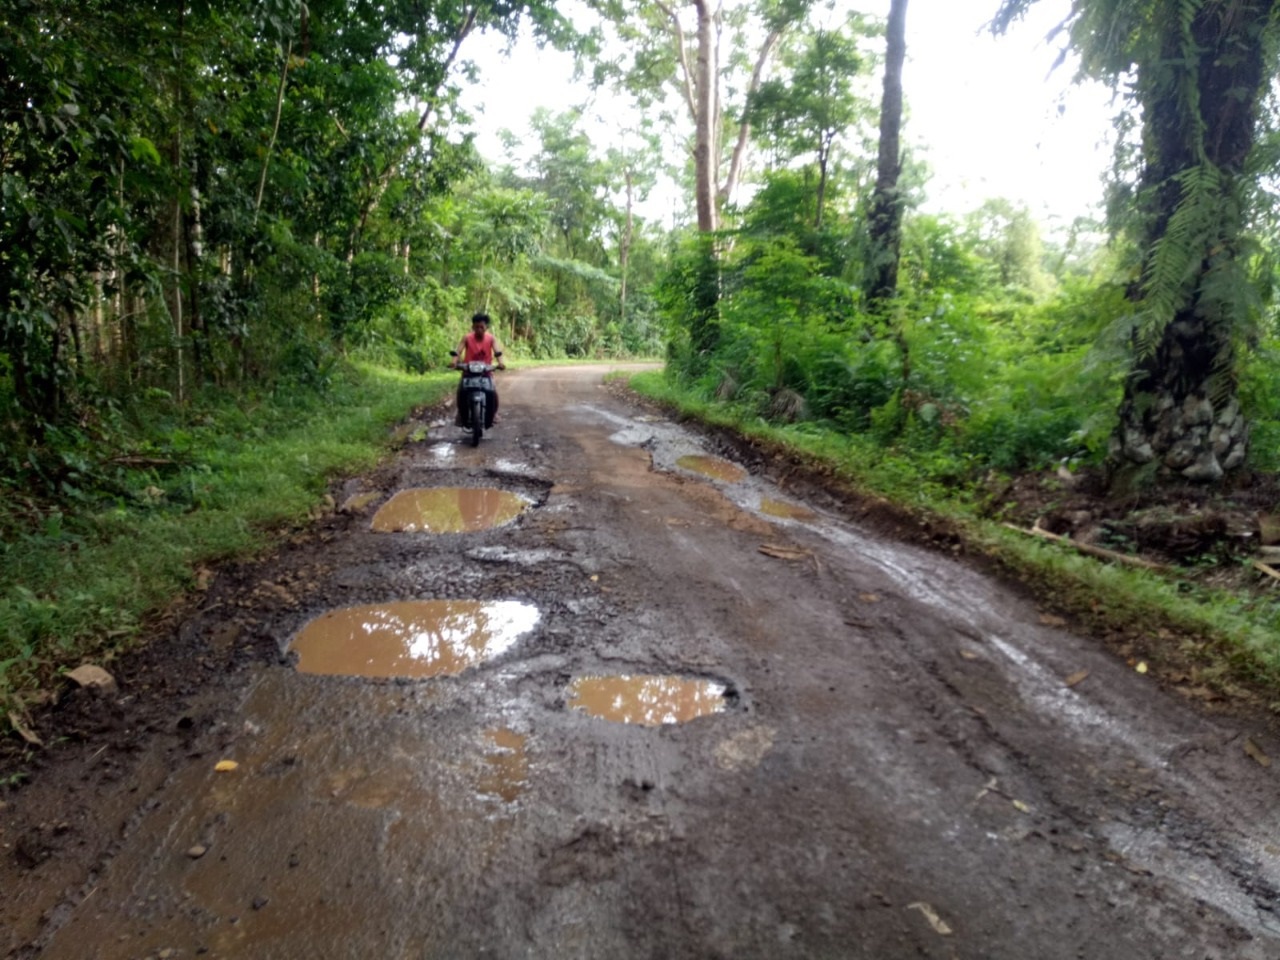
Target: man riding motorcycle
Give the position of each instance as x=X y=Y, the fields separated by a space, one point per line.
x=483 y=346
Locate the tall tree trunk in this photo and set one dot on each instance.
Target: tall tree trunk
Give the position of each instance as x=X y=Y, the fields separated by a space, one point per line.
x=706 y=141
x=176 y=249
x=886 y=202
x=275 y=131
x=1180 y=414
x=624 y=247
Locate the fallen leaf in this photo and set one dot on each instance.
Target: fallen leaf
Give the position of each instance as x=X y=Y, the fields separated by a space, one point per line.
x=1052 y=620
x=595 y=578
x=1141 y=667
x=204 y=577
x=869 y=597
x=969 y=655
x=783 y=553
x=1250 y=747
x=25 y=732
x=1021 y=806
x=1076 y=678
x=95 y=678
x=226 y=766
x=939 y=925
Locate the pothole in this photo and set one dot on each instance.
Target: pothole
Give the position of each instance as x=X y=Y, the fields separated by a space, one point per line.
x=786 y=511
x=412 y=638
x=647 y=700
x=448 y=510
x=712 y=467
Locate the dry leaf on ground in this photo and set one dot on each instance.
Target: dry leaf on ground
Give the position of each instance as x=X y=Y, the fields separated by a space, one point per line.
x=1256 y=753
x=25 y=732
x=939 y=925
x=783 y=553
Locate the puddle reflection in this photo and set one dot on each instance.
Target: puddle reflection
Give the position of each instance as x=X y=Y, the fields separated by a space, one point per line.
x=415 y=638
x=649 y=701
x=448 y=510
x=712 y=467
x=786 y=511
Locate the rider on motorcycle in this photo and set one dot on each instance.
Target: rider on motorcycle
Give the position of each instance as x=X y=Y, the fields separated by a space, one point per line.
x=480 y=345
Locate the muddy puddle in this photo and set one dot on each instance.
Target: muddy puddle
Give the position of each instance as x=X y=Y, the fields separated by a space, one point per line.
x=649 y=701
x=412 y=639
x=712 y=467
x=448 y=510
x=786 y=511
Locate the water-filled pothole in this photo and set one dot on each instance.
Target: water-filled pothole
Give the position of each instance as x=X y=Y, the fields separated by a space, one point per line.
x=712 y=467
x=448 y=510
x=650 y=700
x=786 y=511
x=412 y=638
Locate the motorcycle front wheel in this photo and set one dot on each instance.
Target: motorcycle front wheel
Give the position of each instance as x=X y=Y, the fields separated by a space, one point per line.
x=477 y=419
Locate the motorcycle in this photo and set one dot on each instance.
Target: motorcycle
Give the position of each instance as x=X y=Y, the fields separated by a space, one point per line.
x=477 y=396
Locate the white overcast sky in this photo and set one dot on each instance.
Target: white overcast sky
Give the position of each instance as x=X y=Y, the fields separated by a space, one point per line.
x=986 y=113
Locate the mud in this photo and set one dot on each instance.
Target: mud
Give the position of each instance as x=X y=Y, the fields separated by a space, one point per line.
x=910 y=759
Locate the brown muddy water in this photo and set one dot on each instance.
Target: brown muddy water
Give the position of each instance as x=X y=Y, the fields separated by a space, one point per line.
x=786 y=511
x=448 y=510
x=412 y=639
x=712 y=467
x=649 y=701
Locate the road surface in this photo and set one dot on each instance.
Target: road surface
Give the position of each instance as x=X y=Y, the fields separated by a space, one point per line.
x=694 y=714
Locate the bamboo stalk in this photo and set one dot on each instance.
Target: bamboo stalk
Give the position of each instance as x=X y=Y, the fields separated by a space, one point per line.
x=1088 y=548
x=1270 y=571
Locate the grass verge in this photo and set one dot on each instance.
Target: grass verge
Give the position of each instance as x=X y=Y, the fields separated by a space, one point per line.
x=212 y=481
x=1220 y=635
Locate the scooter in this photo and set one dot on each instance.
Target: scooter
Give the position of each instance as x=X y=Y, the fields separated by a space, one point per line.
x=477 y=395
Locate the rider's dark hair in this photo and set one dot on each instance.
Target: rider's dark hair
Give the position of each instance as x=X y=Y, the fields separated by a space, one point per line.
x=480 y=318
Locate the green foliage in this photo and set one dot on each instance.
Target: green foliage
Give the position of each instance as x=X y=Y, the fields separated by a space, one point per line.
x=215 y=193
x=137 y=503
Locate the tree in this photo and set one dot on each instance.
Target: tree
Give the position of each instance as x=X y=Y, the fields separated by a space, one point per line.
x=886 y=202
x=672 y=52
x=808 y=113
x=1197 y=71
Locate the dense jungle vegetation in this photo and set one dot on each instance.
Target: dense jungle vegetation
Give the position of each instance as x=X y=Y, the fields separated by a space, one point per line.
x=221 y=221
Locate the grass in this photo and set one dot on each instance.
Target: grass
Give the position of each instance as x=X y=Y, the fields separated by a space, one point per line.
x=83 y=575
x=1229 y=633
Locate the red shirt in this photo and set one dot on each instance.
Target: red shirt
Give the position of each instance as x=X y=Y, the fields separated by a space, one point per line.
x=481 y=349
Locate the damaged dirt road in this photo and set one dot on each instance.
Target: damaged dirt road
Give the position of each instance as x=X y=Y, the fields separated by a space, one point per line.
x=681 y=712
